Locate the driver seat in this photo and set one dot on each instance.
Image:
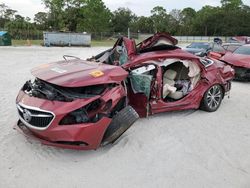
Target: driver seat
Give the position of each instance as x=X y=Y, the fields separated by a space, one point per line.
x=168 y=82
x=168 y=85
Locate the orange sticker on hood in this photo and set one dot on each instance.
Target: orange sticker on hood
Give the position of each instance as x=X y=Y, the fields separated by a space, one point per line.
x=96 y=73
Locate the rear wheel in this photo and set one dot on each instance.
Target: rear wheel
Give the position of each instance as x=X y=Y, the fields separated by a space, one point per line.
x=212 y=99
x=122 y=121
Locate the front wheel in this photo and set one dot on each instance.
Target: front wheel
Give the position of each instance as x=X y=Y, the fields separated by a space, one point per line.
x=121 y=122
x=212 y=99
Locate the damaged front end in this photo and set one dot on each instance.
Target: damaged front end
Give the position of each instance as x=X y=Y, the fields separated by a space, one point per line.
x=76 y=117
x=89 y=113
x=45 y=90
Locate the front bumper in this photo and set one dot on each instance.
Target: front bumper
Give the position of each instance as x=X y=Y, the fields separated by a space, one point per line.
x=40 y=119
x=88 y=137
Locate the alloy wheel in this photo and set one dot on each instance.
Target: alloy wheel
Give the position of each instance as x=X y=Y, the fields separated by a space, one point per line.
x=214 y=97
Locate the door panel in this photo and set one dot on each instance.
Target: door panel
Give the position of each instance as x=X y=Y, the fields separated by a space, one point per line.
x=139 y=88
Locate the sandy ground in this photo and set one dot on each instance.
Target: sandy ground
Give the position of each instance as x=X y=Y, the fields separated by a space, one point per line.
x=178 y=149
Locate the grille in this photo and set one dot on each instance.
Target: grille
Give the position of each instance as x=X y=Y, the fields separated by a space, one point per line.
x=34 y=118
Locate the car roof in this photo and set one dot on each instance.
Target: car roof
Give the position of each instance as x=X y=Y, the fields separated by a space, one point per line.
x=164 y=54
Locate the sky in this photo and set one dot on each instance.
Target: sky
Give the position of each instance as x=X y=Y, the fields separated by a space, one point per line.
x=140 y=8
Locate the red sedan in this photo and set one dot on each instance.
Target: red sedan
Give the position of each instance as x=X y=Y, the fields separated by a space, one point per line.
x=83 y=104
x=240 y=61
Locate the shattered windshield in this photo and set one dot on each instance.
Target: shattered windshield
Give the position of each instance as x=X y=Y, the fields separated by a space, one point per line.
x=120 y=54
x=115 y=56
x=243 y=50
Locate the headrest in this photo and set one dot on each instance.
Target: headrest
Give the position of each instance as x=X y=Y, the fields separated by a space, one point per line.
x=170 y=74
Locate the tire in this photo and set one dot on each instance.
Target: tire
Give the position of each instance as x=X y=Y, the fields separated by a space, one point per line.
x=211 y=100
x=121 y=122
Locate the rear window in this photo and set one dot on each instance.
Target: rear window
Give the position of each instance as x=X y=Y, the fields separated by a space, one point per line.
x=244 y=50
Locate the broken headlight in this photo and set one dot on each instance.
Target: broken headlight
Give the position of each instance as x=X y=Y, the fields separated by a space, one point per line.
x=86 y=114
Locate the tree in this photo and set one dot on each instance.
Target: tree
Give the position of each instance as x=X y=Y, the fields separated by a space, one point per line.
x=204 y=22
x=73 y=17
x=175 y=19
x=143 y=25
x=21 y=28
x=96 y=17
x=6 y=14
x=78 y=15
x=41 y=18
x=160 y=19
x=9 y=14
x=55 y=17
x=231 y=18
x=121 y=19
x=231 y=4
x=188 y=17
x=3 y=8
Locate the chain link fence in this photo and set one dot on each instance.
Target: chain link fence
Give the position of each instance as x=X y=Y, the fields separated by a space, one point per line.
x=112 y=35
x=24 y=34
x=189 y=39
x=101 y=36
x=142 y=36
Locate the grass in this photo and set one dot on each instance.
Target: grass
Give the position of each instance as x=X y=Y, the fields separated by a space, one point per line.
x=94 y=43
x=26 y=42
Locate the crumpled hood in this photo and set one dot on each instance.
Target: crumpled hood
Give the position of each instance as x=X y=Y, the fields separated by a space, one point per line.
x=237 y=60
x=79 y=73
